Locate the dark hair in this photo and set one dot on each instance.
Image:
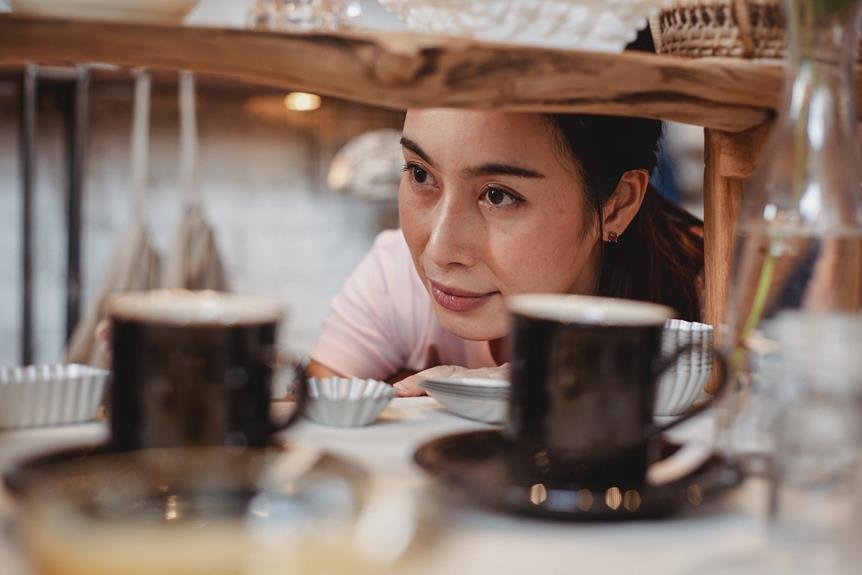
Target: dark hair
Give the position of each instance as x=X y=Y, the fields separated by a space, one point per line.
x=659 y=257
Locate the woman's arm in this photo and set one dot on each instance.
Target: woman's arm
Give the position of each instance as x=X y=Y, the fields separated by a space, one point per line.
x=317 y=369
x=409 y=386
x=369 y=332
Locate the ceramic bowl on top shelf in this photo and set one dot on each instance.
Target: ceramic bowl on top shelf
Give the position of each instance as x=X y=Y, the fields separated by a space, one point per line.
x=599 y=25
x=146 y=11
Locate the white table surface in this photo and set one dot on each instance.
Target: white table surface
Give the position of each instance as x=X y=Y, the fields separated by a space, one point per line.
x=471 y=540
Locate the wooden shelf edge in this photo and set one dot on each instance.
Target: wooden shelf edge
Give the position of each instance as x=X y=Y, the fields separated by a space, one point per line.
x=405 y=70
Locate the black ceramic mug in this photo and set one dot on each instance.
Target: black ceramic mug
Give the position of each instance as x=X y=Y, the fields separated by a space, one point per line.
x=584 y=377
x=194 y=368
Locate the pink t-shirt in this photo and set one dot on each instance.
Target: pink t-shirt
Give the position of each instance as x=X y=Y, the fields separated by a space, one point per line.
x=382 y=321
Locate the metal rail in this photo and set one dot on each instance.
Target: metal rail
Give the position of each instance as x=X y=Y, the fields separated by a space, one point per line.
x=73 y=99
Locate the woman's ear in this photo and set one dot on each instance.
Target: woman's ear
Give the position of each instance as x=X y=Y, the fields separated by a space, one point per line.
x=623 y=205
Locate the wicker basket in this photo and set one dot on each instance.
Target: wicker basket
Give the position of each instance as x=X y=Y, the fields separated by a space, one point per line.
x=734 y=28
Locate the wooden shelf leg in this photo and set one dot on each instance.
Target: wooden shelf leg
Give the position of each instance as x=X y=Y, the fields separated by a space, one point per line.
x=730 y=160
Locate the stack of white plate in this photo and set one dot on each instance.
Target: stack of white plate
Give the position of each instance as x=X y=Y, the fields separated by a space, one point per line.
x=474 y=398
x=684 y=381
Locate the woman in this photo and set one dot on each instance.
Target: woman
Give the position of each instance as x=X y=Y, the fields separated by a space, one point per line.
x=494 y=204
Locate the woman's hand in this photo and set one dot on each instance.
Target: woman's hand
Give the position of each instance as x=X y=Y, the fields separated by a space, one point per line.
x=409 y=386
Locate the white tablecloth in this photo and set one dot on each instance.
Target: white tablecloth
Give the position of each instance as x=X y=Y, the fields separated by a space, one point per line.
x=472 y=540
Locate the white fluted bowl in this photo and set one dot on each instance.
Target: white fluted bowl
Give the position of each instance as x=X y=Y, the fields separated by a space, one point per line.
x=39 y=395
x=346 y=402
x=599 y=25
x=681 y=385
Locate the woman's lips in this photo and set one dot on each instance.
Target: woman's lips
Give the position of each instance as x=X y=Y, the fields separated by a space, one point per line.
x=458 y=300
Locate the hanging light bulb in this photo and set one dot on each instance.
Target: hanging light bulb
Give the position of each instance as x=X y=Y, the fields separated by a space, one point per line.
x=302 y=102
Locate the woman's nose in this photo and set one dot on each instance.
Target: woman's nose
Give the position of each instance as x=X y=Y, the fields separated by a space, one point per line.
x=454 y=234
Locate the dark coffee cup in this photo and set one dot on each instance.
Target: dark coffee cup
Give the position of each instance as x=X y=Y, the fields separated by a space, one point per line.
x=584 y=377
x=194 y=368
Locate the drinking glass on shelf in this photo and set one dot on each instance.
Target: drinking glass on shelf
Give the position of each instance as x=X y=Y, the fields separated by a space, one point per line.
x=304 y=14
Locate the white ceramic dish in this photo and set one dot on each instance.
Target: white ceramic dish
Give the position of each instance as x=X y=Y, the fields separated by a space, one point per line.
x=601 y=25
x=40 y=395
x=485 y=409
x=471 y=387
x=346 y=402
x=150 y=11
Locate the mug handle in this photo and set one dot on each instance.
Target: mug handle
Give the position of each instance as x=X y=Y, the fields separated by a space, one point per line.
x=718 y=357
x=300 y=396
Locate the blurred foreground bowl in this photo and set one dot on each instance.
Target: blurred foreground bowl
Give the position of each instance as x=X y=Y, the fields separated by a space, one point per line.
x=200 y=511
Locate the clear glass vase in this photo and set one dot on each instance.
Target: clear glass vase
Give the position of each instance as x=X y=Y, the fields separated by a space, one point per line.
x=794 y=327
x=798 y=247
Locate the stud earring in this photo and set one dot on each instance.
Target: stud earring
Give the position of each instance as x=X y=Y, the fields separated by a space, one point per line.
x=613 y=237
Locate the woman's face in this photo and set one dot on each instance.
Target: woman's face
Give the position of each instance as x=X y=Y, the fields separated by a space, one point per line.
x=491 y=207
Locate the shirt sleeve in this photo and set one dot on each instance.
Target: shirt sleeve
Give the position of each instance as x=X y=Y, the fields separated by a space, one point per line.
x=360 y=337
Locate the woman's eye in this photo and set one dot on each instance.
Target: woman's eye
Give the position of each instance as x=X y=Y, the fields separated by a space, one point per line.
x=498 y=197
x=418 y=174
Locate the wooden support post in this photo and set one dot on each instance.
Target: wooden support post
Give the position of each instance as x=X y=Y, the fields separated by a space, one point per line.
x=730 y=160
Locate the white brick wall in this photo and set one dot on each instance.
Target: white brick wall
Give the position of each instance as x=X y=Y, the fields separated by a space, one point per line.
x=280 y=231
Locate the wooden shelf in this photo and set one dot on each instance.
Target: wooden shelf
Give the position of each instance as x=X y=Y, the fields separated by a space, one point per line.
x=733 y=99
x=402 y=70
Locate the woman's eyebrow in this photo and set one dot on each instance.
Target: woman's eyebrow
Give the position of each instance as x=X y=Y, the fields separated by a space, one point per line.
x=414 y=147
x=494 y=169
x=490 y=169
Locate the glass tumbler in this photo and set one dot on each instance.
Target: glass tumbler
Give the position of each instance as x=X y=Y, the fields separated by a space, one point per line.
x=814 y=472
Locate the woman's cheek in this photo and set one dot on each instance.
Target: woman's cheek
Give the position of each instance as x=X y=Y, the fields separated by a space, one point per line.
x=534 y=262
x=414 y=220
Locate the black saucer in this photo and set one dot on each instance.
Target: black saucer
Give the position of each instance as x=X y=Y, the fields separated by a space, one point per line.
x=474 y=463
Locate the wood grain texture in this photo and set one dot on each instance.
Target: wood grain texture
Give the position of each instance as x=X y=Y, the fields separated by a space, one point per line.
x=730 y=161
x=403 y=70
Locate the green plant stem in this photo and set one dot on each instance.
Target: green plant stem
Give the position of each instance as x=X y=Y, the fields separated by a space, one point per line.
x=757 y=307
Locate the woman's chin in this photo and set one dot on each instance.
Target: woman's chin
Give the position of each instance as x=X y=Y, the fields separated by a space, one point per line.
x=478 y=325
